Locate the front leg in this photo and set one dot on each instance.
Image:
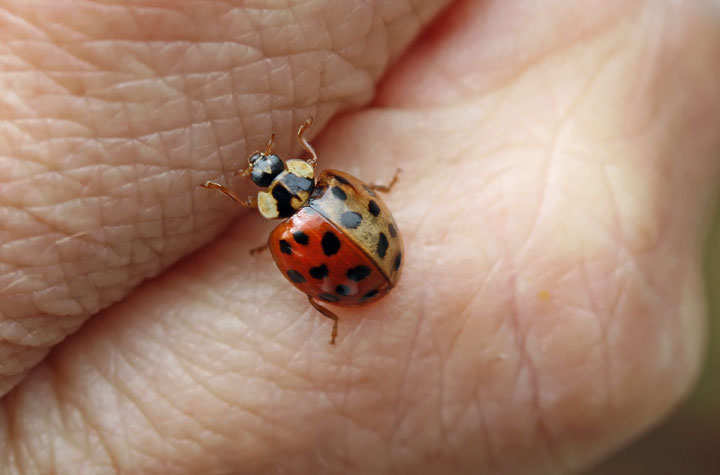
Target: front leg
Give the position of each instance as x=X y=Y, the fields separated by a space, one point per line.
x=250 y=202
x=312 y=161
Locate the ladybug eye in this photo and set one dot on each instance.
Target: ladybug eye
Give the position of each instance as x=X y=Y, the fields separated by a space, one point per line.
x=255 y=158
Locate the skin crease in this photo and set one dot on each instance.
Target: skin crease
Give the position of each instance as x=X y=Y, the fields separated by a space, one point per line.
x=559 y=173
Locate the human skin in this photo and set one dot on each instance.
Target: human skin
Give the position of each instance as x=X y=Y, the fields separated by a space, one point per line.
x=559 y=171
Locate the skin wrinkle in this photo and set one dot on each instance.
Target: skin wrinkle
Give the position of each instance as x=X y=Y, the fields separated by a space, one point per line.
x=10 y=364
x=604 y=320
x=109 y=448
x=543 y=427
x=463 y=310
x=127 y=394
x=442 y=398
x=172 y=439
x=402 y=383
x=280 y=365
x=605 y=325
x=497 y=77
x=186 y=365
x=481 y=398
x=570 y=310
x=492 y=459
x=478 y=401
x=70 y=413
x=31 y=453
x=525 y=364
x=408 y=426
x=292 y=324
x=547 y=178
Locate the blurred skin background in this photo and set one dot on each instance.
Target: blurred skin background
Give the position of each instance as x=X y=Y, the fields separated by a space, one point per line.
x=688 y=441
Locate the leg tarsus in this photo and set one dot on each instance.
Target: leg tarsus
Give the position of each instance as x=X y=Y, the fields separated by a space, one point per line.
x=328 y=314
x=388 y=187
x=211 y=185
x=305 y=144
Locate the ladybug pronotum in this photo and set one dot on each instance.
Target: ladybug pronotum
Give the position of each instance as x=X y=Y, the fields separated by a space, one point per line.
x=339 y=243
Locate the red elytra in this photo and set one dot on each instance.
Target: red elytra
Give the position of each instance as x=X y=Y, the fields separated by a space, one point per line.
x=339 y=244
x=347 y=278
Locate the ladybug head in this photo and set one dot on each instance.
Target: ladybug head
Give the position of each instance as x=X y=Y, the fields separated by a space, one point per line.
x=264 y=168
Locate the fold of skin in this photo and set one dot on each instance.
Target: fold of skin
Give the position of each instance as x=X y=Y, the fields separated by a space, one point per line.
x=559 y=170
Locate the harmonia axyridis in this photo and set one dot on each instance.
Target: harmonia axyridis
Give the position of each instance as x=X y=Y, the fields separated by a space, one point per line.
x=339 y=243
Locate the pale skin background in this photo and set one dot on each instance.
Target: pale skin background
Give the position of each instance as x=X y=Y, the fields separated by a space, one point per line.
x=560 y=168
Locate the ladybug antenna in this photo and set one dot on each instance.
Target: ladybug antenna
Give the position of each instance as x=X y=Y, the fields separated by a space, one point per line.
x=269 y=145
x=256 y=155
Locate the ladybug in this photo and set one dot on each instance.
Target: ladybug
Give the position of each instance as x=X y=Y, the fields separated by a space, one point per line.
x=339 y=244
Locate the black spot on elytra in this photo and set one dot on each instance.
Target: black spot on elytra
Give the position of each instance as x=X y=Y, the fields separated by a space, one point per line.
x=358 y=273
x=393 y=231
x=329 y=297
x=350 y=219
x=382 y=245
x=370 y=191
x=338 y=193
x=374 y=208
x=296 y=276
x=301 y=238
x=319 y=272
x=341 y=179
x=342 y=290
x=330 y=243
x=398 y=261
x=285 y=247
x=370 y=294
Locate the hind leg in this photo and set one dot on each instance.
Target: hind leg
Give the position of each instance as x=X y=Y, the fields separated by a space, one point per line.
x=328 y=314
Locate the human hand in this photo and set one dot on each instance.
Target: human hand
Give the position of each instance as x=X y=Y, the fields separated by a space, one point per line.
x=559 y=170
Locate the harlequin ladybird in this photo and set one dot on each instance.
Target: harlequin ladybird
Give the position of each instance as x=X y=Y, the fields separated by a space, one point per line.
x=339 y=243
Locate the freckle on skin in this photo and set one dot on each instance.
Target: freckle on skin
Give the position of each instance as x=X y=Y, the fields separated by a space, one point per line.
x=544 y=296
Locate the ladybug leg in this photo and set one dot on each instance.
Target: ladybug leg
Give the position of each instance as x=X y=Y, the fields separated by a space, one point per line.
x=211 y=185
x=259 y=249
x=388 y=187
x=305 y=144
x=328 y=314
